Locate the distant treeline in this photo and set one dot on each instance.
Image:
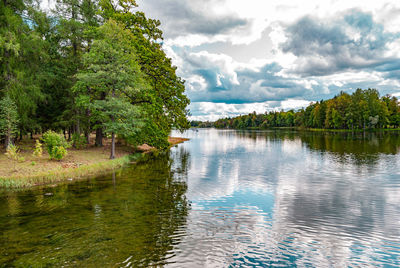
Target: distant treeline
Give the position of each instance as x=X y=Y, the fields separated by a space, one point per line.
x=201 y=124
x=364 y=109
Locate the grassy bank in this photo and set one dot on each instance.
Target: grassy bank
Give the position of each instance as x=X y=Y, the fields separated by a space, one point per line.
x=78 y=164
x=63 y=174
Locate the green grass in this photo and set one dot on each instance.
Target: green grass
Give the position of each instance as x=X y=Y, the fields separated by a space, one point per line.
x=69 y=174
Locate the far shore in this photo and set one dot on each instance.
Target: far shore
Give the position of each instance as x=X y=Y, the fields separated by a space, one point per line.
x=313 y=129
x=78 y=164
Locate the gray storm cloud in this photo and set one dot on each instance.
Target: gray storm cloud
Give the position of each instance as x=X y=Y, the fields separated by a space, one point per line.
x=353 y=42
x=183 y=17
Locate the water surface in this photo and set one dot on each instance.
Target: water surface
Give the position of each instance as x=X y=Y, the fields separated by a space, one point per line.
x=224 y=198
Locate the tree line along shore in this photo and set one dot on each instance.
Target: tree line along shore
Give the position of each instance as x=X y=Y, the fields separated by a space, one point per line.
x=361 y=110
x=87 y=66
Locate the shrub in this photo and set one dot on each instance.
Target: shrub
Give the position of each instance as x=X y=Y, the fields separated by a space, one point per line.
x=59 y=152
x=38 y=149
x=55 y=144
x=78 y=141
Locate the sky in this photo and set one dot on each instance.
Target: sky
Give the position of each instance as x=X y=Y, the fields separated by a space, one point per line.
x=242 y=56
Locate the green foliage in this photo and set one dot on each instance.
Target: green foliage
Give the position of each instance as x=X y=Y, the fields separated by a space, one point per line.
x=55 y=144
x=8 y=118
x=114 y=77
x=78 y=141
x=363 y=109
x=164 y=102
x=71 y=69
x=151 y=134
x=38 y=151
x=59 y=152
x=21 y=55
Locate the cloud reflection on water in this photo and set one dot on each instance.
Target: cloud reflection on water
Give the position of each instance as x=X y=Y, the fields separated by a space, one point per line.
x=292 y=198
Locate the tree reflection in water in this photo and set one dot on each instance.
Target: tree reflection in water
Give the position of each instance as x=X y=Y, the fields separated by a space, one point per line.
x=128 y=217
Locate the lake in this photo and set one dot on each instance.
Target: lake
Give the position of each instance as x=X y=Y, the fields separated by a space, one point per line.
x=225 y=198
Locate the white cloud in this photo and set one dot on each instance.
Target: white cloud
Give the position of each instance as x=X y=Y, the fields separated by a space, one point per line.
x=210 y=111
x=294 y=104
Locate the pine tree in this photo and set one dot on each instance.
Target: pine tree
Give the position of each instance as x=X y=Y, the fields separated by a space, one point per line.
x=114 y=78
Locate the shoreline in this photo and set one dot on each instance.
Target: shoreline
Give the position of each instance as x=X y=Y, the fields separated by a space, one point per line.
x=318 y=129
x=73 y=173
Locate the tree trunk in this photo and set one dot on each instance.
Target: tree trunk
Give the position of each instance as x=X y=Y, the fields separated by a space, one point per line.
x=112 y=156
x=69 y=133
x=31 y=135
x=87 y=135
x=99 y=137
x=78 y=127
x=88 y=130
x=8 y=139
x=7 y=142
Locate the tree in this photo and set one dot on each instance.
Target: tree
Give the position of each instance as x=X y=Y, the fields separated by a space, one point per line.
x=111 y=70
x=20 y=54
x=164 y=103
x=77 y=21
x=392 y=105
x=45 y=70
x=362 y=109
x=8 y=120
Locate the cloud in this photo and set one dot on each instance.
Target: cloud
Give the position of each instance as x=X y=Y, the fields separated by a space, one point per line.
x=219 y=78
x=353 y=41
x=212 y=111
x=193 y=23
x=313 y=59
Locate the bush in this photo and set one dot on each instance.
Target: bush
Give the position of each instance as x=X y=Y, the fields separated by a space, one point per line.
x=59 y=152
x=78 y=141
x=38 y=149
x=56 y=145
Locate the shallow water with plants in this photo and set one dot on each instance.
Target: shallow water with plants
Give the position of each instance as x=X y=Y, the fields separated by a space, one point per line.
x=224 y=198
